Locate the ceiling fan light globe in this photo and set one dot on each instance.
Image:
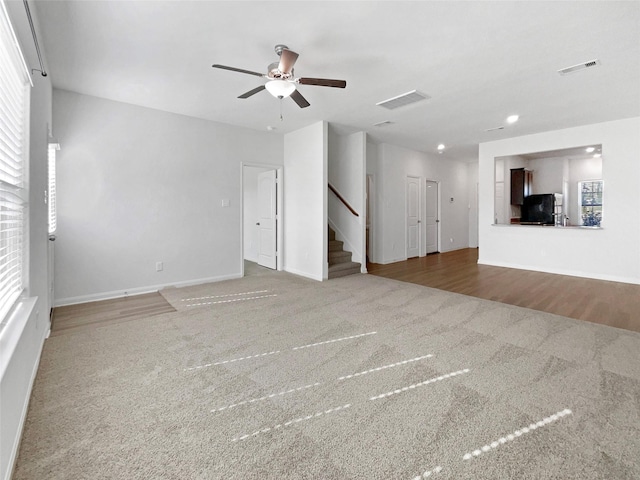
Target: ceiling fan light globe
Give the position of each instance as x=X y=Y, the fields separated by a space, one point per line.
x=280 y=88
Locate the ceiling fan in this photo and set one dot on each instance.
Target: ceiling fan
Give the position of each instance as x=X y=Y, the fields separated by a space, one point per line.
x=281 y=80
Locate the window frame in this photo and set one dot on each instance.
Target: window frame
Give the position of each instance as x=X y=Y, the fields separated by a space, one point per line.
x=598 y=214
x=14 y=167
x=52 y=206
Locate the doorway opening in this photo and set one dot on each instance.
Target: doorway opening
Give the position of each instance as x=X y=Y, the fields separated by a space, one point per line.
x=432 y=217
x=369 y=239
x=262 y=220
x=412 y=206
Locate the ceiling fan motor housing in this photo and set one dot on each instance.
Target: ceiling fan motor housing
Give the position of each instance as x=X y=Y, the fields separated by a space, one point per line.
x=281 y=79
x=274 y=72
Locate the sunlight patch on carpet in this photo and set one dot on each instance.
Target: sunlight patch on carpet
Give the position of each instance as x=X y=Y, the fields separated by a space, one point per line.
x=333 y=341
x=384 y=367
x=265 y=397
x=518 y=433
x=230 y=300
x=232 y=360
x=415 y=385
x=222 y=296
x=428 y=473
x=291 y=422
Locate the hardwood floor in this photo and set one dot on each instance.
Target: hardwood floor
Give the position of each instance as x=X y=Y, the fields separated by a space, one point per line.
x=609 y=303
x=73 y=318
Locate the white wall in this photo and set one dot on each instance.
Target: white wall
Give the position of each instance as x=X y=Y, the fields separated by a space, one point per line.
x=23 y=335
x=346 y=171
x=305 y=201
x=251 y=212
x=138 y=186
x=548 y=174
x=375 y=233
x=472 y=185
x=394 y=165
x=612 y=253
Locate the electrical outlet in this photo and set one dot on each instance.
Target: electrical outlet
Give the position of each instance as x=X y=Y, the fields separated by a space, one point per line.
x=451 y=239
x=159 y=266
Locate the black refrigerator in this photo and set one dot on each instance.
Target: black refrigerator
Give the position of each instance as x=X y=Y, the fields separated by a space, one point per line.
x=538 y=209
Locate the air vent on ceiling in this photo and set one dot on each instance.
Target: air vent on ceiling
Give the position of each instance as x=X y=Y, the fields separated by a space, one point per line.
x=405 y=99
x=494 y=129
x=578 y=67
x=383 y=124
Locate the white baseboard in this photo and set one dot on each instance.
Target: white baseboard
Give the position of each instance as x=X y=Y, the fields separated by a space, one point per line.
x=95 y=297
x=445 y=250
x=303 y=274
x=392 y=260
x=560 y=271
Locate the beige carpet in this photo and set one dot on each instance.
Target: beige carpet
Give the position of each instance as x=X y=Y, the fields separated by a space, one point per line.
x=277 y=377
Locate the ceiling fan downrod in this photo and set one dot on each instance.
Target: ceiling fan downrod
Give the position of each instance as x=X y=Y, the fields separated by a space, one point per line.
x=279 y=48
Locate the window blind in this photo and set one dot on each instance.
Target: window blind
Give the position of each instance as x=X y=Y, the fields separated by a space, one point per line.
x=13 y=120
x=53 y=222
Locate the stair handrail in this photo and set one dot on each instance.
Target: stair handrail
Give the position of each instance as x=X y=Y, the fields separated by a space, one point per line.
x=341 y=198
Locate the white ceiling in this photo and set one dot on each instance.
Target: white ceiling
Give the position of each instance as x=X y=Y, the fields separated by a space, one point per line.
x=571 y=153
x=478 y=61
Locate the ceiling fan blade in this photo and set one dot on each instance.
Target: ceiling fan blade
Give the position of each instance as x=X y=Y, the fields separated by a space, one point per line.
x=323 y=82
x=287 y=61
x=233 y=69
x=252 y=92
x=299 y=99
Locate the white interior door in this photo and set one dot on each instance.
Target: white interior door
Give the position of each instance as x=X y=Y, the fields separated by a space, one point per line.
x=267 y=197
x=369 y=227
x=413 y=217
x=50 y=272
x=431 y=216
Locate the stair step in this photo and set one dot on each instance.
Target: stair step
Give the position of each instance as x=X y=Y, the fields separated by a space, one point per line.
x=343 y=269
x=340 y=263
x=335 y=245
x=339 y=257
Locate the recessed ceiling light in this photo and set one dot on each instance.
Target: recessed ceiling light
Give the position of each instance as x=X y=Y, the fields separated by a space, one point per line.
x=441 y=147
x=512 y=118
x=590 y=149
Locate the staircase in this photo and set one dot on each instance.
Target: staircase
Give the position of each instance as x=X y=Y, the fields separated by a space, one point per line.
x=340 y=263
